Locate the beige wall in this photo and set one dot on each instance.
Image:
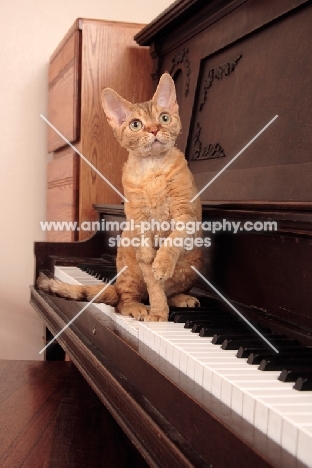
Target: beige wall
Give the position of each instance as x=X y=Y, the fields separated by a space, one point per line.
x=29 y=32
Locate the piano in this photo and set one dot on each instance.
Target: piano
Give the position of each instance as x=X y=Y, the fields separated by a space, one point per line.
x=203 y=390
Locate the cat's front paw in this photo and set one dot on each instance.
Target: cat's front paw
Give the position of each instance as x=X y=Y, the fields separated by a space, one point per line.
x=157 y=314
x=162 y=268
x=155 y=318
x=134 y=309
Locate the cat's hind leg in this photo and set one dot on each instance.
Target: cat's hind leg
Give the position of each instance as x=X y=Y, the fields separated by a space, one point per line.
x=183 y=300
x=182 y=281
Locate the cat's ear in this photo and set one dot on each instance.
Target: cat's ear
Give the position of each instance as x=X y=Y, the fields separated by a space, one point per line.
x=165 y=94
x=115 y=107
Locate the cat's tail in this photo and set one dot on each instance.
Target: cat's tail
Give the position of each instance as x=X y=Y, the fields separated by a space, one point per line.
x=75 y=292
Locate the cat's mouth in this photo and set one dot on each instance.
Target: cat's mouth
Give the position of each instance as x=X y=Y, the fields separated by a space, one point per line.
x=158 y=139
x=157 y=145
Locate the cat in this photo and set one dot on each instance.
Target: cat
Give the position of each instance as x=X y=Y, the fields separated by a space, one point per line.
x=158 y=186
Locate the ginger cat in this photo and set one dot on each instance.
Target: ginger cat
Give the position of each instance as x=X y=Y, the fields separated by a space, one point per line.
x=158 y=186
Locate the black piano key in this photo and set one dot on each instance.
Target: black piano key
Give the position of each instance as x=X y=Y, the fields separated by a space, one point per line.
x=190 y=322
x=276 y=363
x=189 y=313
x=276 y=340
x=218 y=322
x=196 y=328
x=212 y=331
x=99 y=271
x=292 y=375
x=182 y=318
x=290 y=352
x=232 y=344
x=220 y=338
x=303 y=384
x=246 y=351
x=220 y=334
x=82 y=266
x=256 y=358
x=209 y=302
x=96 y=266
x=206 y=321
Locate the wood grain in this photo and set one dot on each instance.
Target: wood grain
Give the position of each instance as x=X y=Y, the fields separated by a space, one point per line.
x=62 y=178
x=110 y=58
x=50 y=417
x=64 y=93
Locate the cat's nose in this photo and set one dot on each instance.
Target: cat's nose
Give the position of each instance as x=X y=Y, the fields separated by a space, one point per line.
x=154 y=130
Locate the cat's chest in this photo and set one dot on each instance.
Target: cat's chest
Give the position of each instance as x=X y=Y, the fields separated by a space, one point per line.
x=147 y=187
x=151 y=198
x=154 y=197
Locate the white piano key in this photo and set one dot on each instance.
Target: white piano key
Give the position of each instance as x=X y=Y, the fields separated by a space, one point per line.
x=274 y=424
x=176 y=356
x=290 y=396
x=304 y=449
x=63 y=275
x=299 y=408
x=106 y=309
x=300 y=419
x=289 y=436
x=237 y=400
x=207 y=378
x=216 y=384
x=226 y=391
x=87 y=281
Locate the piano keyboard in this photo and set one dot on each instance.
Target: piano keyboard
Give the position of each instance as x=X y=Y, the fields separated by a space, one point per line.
x=274 y=407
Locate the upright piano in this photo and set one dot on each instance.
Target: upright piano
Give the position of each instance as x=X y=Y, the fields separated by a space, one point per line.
x=204 y=390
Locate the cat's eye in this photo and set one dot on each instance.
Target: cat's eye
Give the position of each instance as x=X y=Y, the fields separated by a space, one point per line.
x=164 y=118
x=135 y=125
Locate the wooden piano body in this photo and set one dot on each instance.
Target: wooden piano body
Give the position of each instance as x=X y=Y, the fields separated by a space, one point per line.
x=236 y=64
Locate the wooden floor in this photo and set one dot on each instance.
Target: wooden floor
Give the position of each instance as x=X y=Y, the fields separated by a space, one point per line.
x=50 y=417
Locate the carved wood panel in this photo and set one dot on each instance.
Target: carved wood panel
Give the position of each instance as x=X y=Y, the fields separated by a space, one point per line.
x=240 y=88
